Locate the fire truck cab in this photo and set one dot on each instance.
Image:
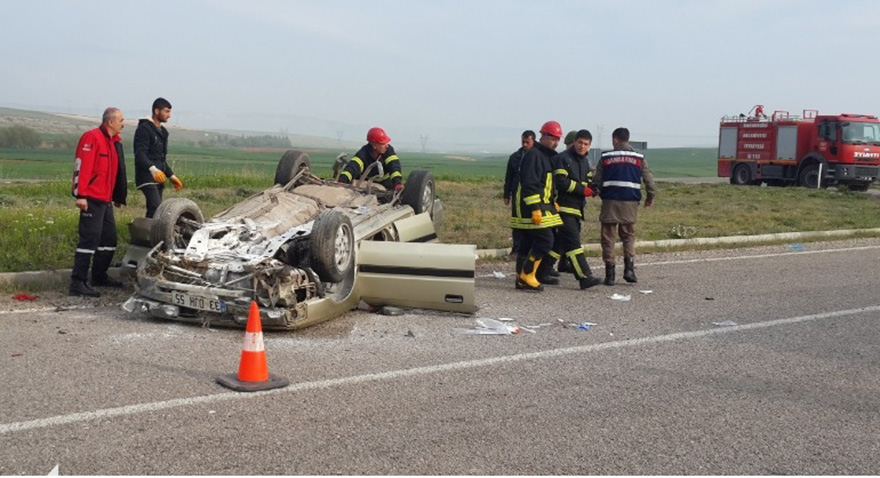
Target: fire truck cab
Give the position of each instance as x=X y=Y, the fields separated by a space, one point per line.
x=811 y=150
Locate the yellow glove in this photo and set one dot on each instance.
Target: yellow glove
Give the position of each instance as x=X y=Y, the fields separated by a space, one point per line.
x=158 y=175
x=536 y=217
x=178 y=184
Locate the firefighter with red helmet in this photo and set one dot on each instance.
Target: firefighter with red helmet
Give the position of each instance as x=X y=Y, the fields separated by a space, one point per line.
x=533 y=209
x=571 y=170
x=378 y=148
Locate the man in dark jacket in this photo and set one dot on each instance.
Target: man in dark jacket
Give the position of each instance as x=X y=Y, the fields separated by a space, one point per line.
x=532 y=209
x=511 y=179
x=99 y=183
x=378 y=149
x=570 y=170
x=619 y=176
x=151 y=168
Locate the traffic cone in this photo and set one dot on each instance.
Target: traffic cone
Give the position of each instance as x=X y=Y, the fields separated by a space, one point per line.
x=253 y=372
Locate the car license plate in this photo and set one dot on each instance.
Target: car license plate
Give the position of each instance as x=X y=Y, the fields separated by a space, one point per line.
x=198 y=302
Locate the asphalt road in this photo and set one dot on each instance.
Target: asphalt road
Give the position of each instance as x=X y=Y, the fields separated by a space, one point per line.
x=654 y=388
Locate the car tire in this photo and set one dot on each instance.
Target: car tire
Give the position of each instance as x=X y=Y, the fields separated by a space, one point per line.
x=419 y=192
x=331 y=246
x=290 y=165
x=174 y=223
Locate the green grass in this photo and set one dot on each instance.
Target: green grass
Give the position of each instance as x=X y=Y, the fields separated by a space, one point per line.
x=40 y=220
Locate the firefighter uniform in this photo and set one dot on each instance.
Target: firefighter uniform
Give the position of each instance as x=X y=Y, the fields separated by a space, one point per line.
x=99 y=178
x=364 y=158
x=571 y=173
x=533 y=212
x=619 y=175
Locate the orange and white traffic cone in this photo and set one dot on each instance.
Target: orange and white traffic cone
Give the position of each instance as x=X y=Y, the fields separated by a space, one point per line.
x=253 y=372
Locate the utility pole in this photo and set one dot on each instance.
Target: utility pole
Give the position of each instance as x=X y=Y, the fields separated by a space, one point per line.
x=424 y=139
x=599 y=129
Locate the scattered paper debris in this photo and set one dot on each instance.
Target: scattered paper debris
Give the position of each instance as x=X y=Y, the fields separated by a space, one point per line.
x=505 y=319
x=498 y=275
x=487 y=326
x=619 y=297
x=725 y=323
x=646 y=292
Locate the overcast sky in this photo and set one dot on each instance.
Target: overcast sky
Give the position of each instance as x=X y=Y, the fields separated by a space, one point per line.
x=470 y=72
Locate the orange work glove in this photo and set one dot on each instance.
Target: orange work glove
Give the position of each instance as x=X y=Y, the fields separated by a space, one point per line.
x=178 y=184
x=158 y=175
x=588 y=192
x=557 y=206
x=536 y=217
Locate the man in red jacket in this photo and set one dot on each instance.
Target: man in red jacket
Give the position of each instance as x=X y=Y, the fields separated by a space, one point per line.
x=99 y=182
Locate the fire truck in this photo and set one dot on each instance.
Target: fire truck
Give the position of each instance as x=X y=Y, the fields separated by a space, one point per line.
x=811 y=150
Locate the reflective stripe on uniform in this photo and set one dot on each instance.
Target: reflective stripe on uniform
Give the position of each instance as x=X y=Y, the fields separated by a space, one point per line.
x=533 y=199
x=359 y=162
x=621 y=184
x=346 y=173
x=391 y=158
x=84 y=251
x=570 y=210
x=106 y=248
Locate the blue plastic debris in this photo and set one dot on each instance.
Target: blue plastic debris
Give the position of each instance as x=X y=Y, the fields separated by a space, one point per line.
x=796 y=247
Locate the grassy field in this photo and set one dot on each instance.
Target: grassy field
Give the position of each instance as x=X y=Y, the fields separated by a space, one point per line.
x=40 y=221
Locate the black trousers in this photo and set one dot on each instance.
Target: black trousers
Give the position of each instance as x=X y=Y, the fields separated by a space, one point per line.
x=153 y=195
x=535 y=242
x=97 y=241
x=568 y=245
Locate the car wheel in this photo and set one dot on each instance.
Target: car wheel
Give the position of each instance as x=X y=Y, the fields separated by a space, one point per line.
x=175 y=222
x=290 y=165
x=419 y=192
x=331 y=246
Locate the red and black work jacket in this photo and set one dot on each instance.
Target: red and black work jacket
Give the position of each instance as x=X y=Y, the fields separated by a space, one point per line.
x=364 y=158
x=571 y=175
x=99 y=169
x=621 y=175
x=535 y=191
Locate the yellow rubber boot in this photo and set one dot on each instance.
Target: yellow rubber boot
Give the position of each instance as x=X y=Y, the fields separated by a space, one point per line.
x=527 y=276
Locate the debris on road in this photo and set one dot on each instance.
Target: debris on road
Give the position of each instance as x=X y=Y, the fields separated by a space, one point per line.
x=492 y=327
x=796 y=247
x=725 y=323
x=620 y=297
x=25 y=297
x=646 y=292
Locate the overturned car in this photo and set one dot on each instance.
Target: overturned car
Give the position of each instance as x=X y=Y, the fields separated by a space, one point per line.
x=306 y=250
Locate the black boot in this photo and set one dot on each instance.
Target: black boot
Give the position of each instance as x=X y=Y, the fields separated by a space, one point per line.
x=629 y=270
x=520 y=262
x=106 y=281
x=609 y=274
x=81 y=288
x=565 y=265
x=587 y=280
x=544 y=274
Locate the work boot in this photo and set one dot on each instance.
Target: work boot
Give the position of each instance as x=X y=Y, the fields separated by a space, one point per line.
x=565 y=265
x=609 y=274
x=545 y=272
x=553 y=273
x=81 y=288
x=520 y=262
x=527 y=276
x=589 y=281
x=629 y=270
x=106 y=281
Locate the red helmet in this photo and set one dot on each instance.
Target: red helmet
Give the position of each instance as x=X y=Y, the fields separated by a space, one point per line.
x=552 y=128
x=377 y=135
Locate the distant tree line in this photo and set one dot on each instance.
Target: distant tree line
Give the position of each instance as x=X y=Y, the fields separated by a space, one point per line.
x=19 y=137
x=265 y=141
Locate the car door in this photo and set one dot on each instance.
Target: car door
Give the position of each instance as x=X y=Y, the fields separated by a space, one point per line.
x=418 y=275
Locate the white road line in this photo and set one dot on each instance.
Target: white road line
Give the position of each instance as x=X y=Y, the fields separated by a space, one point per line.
x=759 y=256
x=411 y=372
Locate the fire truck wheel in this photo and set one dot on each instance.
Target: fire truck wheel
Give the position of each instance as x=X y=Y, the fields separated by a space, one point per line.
x=742 y=175
x=809 y=176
